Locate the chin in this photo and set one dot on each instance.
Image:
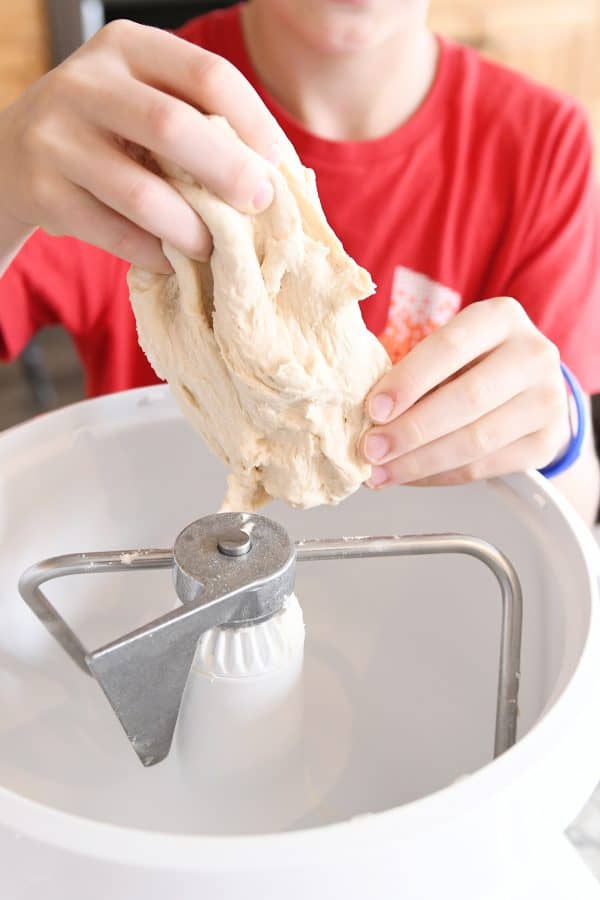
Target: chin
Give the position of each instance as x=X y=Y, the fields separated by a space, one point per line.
x=343 y=26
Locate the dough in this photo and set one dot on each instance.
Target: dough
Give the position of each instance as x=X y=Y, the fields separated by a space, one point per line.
x=264 y=347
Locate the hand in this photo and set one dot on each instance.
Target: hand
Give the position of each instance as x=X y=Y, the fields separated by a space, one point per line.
x=481 y=397
x=64 y=165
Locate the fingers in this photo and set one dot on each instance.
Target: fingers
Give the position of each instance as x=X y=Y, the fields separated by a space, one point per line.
x=507 y=371
x=204 y=80
x=172 y=129
x=504 y=462
x=161 y=83
x=474 y=332
x=150 y=89
x=481 y=397
x=79 y=214
x=479 y=441
x=134 y=192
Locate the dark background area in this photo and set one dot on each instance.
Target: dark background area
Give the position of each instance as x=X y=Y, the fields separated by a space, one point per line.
x=159 y=14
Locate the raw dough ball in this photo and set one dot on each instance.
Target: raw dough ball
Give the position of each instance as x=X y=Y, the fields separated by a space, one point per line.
x=264 y=347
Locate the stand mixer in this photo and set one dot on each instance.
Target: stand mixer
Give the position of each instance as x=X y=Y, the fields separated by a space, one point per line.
x=385 y=751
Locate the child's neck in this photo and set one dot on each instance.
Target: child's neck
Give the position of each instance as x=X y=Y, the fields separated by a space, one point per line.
x=341 y=96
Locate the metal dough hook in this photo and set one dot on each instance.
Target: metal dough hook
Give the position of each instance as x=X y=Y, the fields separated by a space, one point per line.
x=237 y=569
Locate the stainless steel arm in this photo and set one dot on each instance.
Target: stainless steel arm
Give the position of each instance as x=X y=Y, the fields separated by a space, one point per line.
x=512 y=603
x=235 y=569
x=222 y=575
x=80 y=564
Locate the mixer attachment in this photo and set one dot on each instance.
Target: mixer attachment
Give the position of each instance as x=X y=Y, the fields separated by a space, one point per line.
x=235 y=570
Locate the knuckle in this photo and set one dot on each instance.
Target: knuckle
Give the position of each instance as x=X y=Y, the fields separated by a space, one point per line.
x=53 y=91
x=164 y=121
x=414 y=433
x=546 y=440
x=34 y=137
x=54 y=85
x=545 y=446
x=404 y=386
x=480 y=441
x=116 y=33
x=476 y=392
x=553 y=397
x=70 y=82
x=211 y=71
x=474 y=471
x=43 y=140
x=458 y=476
x=548 y=354
x=137 y=196
x=453 y=338
x=509 y=308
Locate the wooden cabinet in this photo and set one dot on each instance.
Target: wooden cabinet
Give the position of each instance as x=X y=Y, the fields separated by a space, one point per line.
x=24 y=46
x=554 y=41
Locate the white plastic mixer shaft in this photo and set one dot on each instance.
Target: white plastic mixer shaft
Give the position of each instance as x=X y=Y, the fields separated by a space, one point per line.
x=238 y=746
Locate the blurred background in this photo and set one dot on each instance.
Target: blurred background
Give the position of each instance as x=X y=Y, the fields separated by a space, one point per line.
x=555 y=41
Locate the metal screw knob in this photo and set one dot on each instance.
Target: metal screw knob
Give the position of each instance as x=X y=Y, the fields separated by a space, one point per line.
x=234 y=542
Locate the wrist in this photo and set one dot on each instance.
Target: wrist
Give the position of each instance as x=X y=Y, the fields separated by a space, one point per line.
x=578 y=428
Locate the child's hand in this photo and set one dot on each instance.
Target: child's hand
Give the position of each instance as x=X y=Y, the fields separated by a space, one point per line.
x=481 y=397
x=63 y=162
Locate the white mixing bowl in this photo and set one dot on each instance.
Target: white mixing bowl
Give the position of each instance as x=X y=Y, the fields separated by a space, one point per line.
x=400 y=686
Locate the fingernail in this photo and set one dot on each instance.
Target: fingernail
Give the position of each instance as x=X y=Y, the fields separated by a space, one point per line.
x=378 y=477
x=274 y=154
x=380 y=407
x=376 y=447
x=263 y=196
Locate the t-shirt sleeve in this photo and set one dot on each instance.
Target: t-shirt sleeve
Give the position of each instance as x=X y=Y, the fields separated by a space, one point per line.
x=556 y=275
x=52 y=280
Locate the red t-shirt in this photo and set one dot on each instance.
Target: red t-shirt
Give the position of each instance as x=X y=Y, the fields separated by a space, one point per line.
x=487 y=190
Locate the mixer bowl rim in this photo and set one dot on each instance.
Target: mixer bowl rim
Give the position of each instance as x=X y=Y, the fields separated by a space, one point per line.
x=77 y=834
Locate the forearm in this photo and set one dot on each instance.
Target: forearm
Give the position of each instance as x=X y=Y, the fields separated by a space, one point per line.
x=581 y=483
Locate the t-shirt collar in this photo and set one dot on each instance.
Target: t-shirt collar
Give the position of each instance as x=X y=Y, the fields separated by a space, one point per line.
x=322 y=151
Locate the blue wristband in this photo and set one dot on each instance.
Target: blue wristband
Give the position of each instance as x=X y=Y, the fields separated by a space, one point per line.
x=573 y=451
